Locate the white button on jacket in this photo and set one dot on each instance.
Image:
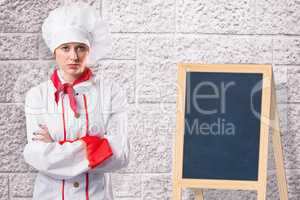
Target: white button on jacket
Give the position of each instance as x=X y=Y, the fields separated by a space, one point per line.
x=64 y=172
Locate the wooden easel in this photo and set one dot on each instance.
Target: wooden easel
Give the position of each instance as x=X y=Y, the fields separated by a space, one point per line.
x=277 y=149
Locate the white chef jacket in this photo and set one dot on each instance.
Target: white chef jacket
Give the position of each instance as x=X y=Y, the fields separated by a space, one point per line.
x=63 y=169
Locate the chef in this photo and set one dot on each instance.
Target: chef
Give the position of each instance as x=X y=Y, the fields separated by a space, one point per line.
x=68 y=116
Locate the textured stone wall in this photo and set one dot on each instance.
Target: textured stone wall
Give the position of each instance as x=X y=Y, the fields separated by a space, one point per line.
x=150 y=37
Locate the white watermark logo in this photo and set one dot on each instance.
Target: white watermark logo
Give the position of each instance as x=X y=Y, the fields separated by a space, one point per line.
x=218 y=94
x=218 y=128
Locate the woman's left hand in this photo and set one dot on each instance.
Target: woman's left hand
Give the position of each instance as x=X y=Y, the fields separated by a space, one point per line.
x=43 y=135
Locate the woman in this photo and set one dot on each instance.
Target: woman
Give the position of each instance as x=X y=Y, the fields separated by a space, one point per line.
x=67 y=116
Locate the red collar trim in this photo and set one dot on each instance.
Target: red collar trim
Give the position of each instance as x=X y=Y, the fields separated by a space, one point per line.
x=68 y=88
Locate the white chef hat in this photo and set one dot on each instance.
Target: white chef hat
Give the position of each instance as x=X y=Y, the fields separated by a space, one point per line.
x=78 y=22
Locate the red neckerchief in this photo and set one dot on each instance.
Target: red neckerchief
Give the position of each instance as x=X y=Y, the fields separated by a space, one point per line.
x=67 y=88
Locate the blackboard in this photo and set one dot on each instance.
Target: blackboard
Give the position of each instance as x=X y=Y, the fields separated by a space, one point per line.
x=223 y=114
x=222 y=125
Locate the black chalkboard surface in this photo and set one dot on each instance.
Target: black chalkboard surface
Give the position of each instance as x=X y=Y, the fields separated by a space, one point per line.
x=222 y=128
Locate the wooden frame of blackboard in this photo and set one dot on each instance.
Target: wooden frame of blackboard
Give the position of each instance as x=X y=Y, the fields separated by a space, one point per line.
x=260 y=184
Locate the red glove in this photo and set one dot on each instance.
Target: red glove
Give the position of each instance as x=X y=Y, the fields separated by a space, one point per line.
x=98 y=150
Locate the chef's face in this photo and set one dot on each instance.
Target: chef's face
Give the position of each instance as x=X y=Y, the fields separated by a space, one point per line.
x=71 y=58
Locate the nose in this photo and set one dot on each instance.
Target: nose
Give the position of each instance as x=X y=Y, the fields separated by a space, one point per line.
x=73 y=55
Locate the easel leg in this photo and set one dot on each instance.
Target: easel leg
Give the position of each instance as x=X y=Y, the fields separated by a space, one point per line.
x=277 y=148
x=176 y=193
x=198 y=194
x=261 y=193
x=280 y=173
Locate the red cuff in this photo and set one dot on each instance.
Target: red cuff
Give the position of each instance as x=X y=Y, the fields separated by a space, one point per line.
x=98 y=150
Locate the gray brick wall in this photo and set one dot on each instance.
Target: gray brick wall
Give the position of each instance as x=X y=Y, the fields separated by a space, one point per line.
x=150 y=37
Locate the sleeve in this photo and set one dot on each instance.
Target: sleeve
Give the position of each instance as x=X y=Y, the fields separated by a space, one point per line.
x=118 y=135
x=59 y=160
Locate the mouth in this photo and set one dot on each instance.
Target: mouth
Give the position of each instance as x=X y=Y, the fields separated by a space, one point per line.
x=73 y=66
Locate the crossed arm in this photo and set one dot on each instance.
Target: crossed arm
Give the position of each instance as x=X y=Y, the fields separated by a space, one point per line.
x=69 y=159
